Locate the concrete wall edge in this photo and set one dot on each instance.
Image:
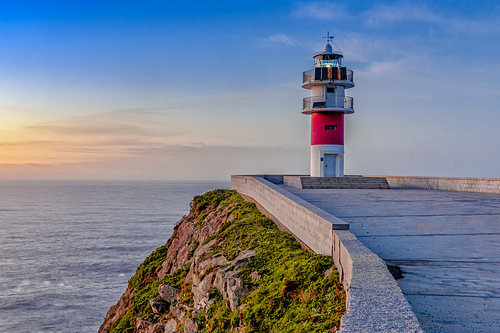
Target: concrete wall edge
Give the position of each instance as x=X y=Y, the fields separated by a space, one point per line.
x=460 y=184
x=375 y=301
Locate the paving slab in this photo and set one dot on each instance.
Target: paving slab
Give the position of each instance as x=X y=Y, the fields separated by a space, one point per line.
x=446 y=243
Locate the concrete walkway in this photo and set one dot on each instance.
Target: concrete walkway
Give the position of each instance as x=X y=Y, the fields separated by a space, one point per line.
x=446 y=243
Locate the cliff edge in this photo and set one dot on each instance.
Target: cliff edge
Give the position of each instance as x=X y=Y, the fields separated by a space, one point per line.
x=227 y=268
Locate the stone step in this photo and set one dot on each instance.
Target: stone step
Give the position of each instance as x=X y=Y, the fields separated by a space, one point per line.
x=344 y=183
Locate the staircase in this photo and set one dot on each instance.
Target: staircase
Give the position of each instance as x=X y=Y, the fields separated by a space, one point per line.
x=348 y=182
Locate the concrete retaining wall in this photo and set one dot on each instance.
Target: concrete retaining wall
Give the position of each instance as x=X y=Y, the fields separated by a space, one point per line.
x=485 y=185
x=374 y=300
x=313 y=226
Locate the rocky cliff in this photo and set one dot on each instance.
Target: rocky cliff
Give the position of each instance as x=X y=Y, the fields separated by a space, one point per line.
x=227 y=268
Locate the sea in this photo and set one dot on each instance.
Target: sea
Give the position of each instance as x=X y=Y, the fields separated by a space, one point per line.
x=68 y=248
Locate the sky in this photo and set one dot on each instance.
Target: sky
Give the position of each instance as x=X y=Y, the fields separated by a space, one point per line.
x=200 y=90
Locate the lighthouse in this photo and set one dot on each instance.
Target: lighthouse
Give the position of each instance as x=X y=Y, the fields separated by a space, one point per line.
x=327 y=106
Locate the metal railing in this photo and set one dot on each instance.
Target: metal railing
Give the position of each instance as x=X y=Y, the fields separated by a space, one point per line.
x=319 y=102
x=309 y=76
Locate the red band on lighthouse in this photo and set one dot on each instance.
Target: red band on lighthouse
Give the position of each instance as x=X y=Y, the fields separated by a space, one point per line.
x=327 y=128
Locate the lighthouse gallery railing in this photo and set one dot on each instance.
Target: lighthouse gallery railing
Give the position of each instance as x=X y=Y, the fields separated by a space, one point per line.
x=320 y=102
x=321 y=74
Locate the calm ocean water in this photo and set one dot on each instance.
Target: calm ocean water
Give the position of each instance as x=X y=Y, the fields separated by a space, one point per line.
x=68 y=248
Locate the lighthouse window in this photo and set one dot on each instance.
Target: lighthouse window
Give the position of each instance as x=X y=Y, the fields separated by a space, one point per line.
x=330 y=90
x=328 y=61
x=330 y=127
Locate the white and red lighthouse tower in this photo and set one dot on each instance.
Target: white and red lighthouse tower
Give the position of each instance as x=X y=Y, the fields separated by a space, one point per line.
x=327 y=106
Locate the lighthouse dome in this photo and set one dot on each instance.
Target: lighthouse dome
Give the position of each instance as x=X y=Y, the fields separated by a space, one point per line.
x=331 y=48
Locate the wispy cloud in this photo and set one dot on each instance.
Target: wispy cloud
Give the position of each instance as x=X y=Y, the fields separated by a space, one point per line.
x=280 y=39
x=170 y=162
x=474 y=27
x=322 y=10
x=82 y=150
x=421 y=12
x=116 y=122
x=403 y=12
x=277 y=39
x=380 y=15
x=125 y=133
x=87 y=138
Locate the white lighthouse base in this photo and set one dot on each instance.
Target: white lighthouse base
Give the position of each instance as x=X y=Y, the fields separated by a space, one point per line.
x=327 y=161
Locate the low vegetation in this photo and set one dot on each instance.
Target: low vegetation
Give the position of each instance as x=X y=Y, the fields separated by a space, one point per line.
x=289 y=289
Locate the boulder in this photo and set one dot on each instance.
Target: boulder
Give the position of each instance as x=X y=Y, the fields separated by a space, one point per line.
x=231 y=287
x=243 y=258
x=177 y=312
x=168 y=294
x=159 y=306
x=170 y=326
x=210 y=263
x=158 y=328
x=143 y=326
x=203 y=304
x=202 y=287
x=190 y=326
x=255 y=275
x=203 y=252
x=221 y=278
x=236 y=290
x=191 y=275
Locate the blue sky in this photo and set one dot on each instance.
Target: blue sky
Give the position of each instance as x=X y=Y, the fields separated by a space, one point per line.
x=203 y=90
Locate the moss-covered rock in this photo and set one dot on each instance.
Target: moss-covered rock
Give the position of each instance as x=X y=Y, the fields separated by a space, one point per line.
x=236 y=272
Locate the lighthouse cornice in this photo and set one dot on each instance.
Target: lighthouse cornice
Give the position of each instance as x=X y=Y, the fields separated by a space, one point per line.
x=346 y=84
x=333 y=53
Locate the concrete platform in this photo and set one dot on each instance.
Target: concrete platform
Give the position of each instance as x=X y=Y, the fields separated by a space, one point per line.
x=446 y=243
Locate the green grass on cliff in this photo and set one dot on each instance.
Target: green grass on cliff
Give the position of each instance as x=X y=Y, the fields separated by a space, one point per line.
x=143 y=291
x=292 y=295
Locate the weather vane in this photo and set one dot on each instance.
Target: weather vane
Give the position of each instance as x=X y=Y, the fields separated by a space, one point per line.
x=328 y=37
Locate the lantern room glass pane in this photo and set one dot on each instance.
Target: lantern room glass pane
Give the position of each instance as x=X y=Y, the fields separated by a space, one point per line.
x=328 y=60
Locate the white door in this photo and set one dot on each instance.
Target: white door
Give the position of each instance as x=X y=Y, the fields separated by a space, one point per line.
x=330 y=97
x=330 y=165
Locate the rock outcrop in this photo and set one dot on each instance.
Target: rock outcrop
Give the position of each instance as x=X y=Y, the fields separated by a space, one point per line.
x=218 y=255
